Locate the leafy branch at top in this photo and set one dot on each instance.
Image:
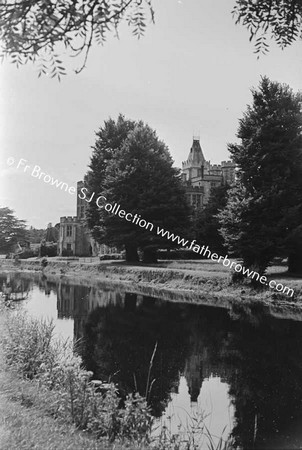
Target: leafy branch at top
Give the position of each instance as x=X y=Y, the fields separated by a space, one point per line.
x=31 y=30
x=281 y=19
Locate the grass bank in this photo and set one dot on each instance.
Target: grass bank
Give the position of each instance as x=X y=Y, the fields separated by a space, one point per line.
x=48 y=400
x=202 y=281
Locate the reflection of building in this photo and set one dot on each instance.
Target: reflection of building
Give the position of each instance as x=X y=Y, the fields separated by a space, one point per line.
x=193 y=375
x=75 y=237
x=200 y=176
x=200 y=366
x=84 y=304
x=77 y=302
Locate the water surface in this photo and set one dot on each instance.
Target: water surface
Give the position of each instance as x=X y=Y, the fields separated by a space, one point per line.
x=242 y=371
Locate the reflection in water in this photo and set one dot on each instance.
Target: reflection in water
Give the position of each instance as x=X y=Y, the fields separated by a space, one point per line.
x=243 y=368
x=14 y=288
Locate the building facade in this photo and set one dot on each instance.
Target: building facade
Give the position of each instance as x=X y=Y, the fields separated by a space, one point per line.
x=75 y=238
x=200 y=176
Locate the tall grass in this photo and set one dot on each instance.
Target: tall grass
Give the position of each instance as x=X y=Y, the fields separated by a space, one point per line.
x=31 y=349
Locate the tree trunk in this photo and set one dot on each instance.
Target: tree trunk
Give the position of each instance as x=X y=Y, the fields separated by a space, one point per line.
x=131 y=253
x=150 y=255
x=295 y=263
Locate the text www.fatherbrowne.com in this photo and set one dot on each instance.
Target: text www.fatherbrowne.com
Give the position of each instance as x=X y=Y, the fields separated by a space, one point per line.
x=206 y=252
x=191 y=245
x=136 y=219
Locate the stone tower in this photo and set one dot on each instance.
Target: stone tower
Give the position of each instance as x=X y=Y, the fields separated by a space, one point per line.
x=200 y=176
x=194 y=166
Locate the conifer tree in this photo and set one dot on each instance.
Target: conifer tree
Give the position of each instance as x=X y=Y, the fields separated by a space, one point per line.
x=262 y=218
x=12 y=230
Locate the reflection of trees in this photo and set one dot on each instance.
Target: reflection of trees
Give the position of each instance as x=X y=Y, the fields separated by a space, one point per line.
x=258 y=356
x=16 y=282
x=120 y=340
x=265 y=381
x=261 y=359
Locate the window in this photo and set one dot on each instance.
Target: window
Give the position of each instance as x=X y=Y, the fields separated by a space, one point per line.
x=69 y=231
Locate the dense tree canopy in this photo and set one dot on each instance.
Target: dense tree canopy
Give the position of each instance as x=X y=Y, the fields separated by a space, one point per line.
x=130 y=166
x=206 y=223
x=35 y=235
x=262 y=218
x=30 y=30
x=12 y=230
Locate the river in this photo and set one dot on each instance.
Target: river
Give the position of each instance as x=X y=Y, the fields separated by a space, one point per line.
x=241 y=371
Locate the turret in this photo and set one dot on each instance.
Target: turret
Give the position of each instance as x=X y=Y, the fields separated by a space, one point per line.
x=194 y=166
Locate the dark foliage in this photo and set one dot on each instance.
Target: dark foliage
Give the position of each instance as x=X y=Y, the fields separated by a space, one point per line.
x=130 y=166
x=12 y=230
x=262 y=218
x=206 y=224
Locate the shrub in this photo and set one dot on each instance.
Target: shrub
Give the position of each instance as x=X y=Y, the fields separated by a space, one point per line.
x=49 y=250
x=66 y=252
x=27 y=254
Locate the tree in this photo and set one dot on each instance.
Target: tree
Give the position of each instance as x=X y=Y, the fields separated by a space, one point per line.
x=281 y=18
x=130 y=166
x=263 y=214
x=37 y=30
x=12 y=230
x=52 y=234
x=35 y=235
x=207 y=224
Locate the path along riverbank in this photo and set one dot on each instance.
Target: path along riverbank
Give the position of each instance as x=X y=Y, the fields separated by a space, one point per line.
x=201 y=282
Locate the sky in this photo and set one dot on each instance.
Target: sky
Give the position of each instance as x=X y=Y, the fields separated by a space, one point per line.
x=191 y=74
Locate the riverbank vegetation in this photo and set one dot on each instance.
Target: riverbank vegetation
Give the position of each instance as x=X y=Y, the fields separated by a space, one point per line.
x=47 y=383
x=196 y=279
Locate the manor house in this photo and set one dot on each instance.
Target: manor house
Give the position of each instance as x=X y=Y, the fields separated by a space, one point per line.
x=200 y=176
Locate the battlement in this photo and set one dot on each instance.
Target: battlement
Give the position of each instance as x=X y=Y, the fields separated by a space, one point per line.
x=68 y=220
x=215 y=167
x=227 y=164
